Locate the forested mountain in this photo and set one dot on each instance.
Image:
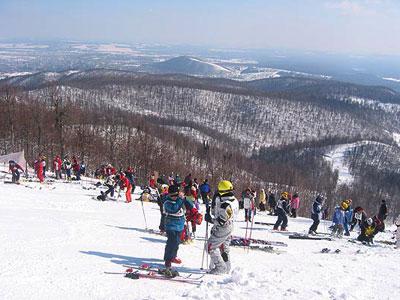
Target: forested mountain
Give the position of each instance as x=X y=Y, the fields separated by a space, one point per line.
x=272 y=131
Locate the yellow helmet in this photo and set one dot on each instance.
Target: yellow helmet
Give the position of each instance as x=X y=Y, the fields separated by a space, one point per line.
x=344 y=205
x=285 y=195
x=224 y=187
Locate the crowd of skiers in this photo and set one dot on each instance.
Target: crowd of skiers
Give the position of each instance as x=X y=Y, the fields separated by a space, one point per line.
x=345 y=219
x=180 y=209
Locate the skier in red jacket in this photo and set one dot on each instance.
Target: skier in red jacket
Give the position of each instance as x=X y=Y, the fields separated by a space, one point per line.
x=124 y=183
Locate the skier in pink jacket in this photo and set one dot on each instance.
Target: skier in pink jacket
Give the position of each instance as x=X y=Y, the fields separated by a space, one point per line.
x=294 y=205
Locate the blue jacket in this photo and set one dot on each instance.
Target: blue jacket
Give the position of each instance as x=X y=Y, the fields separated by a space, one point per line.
x=338 y=216
x=205 y=188
x=175 y=213
x=348 y=215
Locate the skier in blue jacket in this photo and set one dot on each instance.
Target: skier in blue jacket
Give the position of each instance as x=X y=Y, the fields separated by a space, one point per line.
x=339 y=219
x=175 y=206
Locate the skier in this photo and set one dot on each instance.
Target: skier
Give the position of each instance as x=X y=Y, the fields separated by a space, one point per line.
x=152 y=181
x=316 y=214
x=339 y=219
x=110 y=183
x=205 y=191
x=160 y=201
x=43 y=162
x=174 y=210
x=39 y=169
x=348 y=217
x=82 y=168
x=383 y=212
x=282 y=209
x=271 y=203
x=224 y=209
x=294 y=205
x=359 y=217
x=57 y=164
x=262 y=200
x=76 y=168
x=14 y=167
x=129 y=173
x=124 y=183
x=248 y=205
x=67 y=167
x=369 y=229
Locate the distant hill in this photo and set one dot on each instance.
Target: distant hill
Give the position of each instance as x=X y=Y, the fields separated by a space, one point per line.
x=186 y=65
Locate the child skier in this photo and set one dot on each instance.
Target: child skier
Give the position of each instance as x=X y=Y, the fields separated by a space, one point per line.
x=339 y=219
x=248 y=205
x=174 y=210
x=14 y=167
x=282 y=209
x=316 y=214
x=224 y=209
x=294 y=205
x=359 y=217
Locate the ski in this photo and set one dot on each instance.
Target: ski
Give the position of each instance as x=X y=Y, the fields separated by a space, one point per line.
x=155 y=269
x=308 y=237
x=153 y=275
x=246 y=242
x=264 y=223
x=268 y=249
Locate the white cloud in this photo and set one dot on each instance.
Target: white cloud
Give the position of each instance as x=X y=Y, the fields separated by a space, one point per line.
x=357 y=7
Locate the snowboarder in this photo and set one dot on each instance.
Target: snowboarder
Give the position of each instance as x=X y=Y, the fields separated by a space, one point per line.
x=282 y=209
x=339 y=219
x=174 y=210
x=224 y=208
x=316 y=214
x=14 y=167
x=294 y=205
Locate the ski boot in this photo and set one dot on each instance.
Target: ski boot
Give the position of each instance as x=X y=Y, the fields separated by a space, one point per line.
x=168 y=272
x=176 y=260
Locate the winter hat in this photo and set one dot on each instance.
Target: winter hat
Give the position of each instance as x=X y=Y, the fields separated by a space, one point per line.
x=173 y=190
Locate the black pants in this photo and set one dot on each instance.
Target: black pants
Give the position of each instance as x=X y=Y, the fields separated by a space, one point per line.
x=172 y=246
x=205 y=199
x=315 y=224
x=162 y=222
x=15 y=176
x=294 y=212
x=282 y=219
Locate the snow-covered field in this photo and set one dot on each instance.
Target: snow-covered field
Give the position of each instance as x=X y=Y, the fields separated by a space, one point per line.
x=57 y=243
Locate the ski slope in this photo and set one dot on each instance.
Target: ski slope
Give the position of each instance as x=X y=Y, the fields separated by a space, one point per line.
x=56 y=242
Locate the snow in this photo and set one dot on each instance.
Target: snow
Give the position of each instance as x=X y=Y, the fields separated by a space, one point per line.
x=396 y=137
x=57 y=244
x=391 y=79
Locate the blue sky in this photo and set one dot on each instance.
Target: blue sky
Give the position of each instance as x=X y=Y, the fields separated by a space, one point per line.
x=352 y=26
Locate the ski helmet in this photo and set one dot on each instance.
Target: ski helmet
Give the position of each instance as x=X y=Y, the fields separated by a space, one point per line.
x=285 y=195
x=344 y=205
x=224 y=187
x=369 y=221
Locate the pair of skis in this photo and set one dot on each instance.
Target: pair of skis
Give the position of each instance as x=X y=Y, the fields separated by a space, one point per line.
x=150 y=272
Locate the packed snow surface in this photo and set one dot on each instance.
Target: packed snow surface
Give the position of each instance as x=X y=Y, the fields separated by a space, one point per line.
x=56 y=242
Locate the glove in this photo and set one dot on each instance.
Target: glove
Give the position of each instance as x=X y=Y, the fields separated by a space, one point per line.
x=208 y=218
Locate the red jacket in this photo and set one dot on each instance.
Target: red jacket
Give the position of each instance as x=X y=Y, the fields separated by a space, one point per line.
x=57 y=162
x=124 y=182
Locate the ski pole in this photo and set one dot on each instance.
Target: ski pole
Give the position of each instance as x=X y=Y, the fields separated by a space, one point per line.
x=205 y=246
x=251 y=228
x=144 y=214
